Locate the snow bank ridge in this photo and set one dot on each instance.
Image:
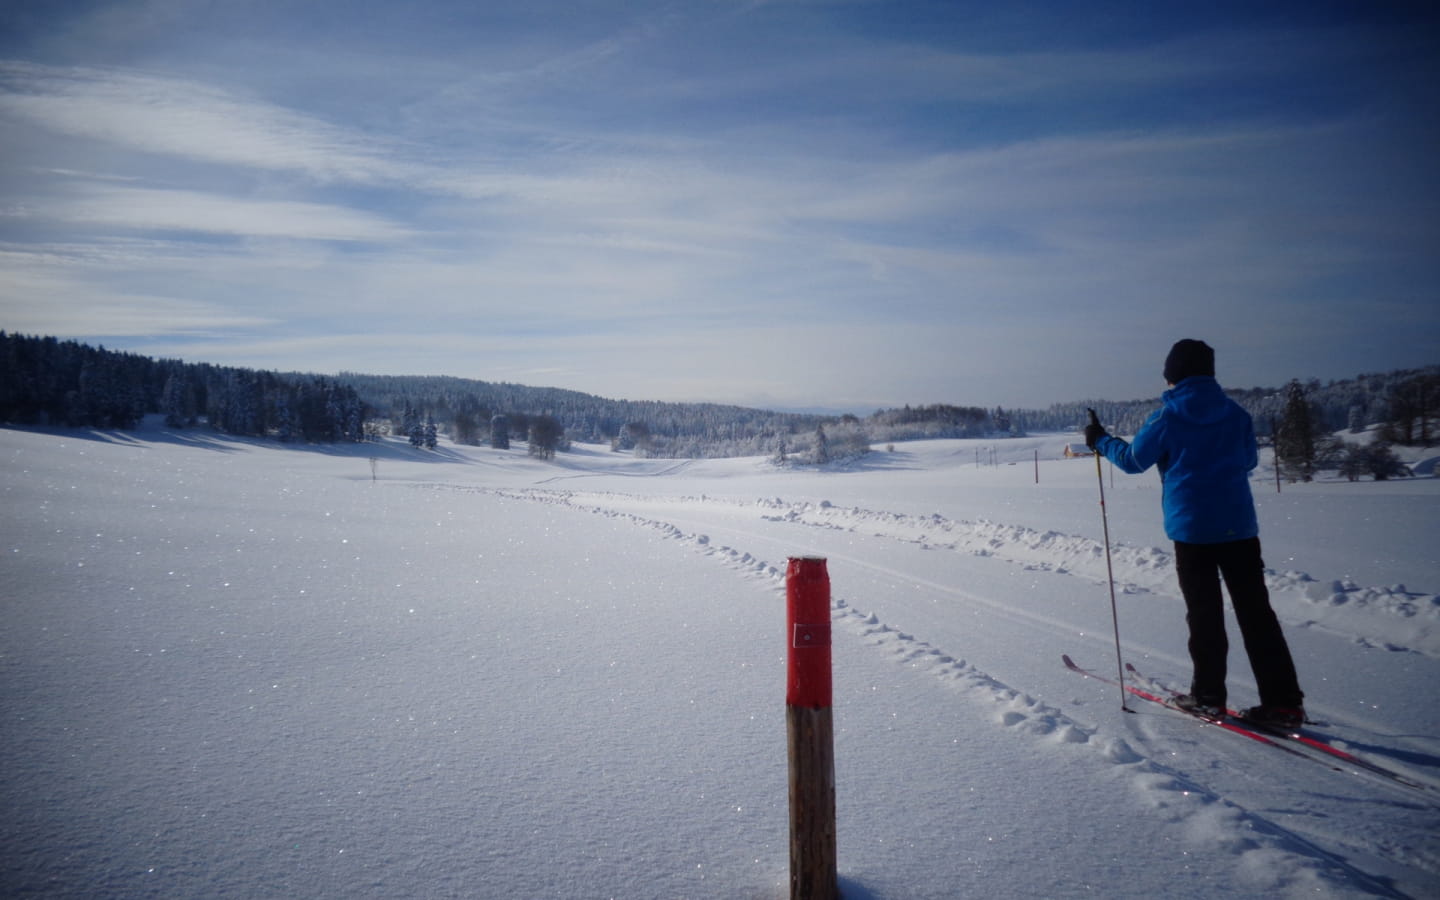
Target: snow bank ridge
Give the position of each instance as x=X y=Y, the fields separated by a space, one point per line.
x=1390 y=617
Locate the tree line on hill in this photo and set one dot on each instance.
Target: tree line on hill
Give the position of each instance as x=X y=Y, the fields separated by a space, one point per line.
x=1303 y=421
x=48 y=381
x=1403 y=401
x=1304 y=444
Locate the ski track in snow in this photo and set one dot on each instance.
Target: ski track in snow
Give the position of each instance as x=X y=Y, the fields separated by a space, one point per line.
x=1266 y=850
x=1085 y=558
x=1052 y=551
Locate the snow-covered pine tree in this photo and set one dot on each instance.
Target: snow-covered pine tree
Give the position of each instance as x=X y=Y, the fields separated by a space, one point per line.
x=1414 y=408
x=466 y=429
x=177 y=400
x=545 y=435
x=1295 y=437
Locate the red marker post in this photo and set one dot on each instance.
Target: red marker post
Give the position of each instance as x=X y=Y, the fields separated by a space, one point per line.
x=811 y=731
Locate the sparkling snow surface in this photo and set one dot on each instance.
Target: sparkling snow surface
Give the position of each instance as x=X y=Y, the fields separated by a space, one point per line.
x=239 y=669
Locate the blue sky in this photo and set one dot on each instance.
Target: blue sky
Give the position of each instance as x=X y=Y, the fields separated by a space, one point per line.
x=833 y=203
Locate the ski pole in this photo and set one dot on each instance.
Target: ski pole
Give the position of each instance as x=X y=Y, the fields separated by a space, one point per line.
x=1110 y=570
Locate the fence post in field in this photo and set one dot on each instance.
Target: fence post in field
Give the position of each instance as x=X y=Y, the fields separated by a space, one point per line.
x=811 y=731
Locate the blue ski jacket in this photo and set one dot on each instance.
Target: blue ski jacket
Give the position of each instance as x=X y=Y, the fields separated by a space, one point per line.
x=1204 y=446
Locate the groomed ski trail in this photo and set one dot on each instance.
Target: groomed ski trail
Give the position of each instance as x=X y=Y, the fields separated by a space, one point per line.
x=1178 y=794
x=1149 y=570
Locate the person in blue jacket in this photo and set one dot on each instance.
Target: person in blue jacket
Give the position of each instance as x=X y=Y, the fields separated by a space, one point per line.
x=1203 y=444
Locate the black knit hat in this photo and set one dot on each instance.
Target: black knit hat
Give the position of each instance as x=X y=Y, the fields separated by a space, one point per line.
x=1188 y=358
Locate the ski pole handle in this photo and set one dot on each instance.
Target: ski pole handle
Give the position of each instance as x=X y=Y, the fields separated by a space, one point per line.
x=1094 y=419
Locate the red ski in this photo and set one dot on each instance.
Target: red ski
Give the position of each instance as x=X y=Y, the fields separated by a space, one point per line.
x=1299 y=737
x=1227 y=725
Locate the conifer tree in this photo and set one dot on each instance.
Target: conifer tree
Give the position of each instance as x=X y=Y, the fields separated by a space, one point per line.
x=822 y=446
x=1295 y=438
x=545 y=436
x=177 y=400
x=1414 y=407
x=465 y=429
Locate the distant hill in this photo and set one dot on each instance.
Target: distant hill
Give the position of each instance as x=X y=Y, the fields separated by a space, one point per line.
x=44 y=380
x=1348 y=405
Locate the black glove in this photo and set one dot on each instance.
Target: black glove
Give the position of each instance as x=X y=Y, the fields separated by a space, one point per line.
x=1094 y=431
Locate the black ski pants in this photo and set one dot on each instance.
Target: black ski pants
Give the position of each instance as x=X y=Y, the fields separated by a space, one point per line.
x=1200 y=568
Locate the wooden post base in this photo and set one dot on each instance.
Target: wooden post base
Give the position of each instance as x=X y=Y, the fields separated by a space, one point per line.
x=812 y=803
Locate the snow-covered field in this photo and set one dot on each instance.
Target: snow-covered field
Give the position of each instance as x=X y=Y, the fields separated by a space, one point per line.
x=235 y=669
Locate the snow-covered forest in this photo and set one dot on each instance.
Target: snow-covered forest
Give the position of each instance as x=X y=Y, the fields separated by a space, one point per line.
x=44 y=380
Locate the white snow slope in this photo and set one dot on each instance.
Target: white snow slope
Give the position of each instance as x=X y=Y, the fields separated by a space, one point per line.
x=236 y=669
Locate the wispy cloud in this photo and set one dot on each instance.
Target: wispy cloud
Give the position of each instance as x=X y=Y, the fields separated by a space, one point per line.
x=638 y=198
x=92 y=206
x=177 y=118
x=49 y=294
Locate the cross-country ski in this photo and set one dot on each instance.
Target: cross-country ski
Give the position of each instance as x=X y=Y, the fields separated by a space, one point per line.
x=1167 y=695
x=1166 y=701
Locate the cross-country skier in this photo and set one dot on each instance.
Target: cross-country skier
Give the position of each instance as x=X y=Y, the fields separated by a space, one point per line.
x=1204 y=446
